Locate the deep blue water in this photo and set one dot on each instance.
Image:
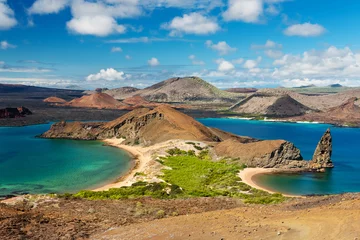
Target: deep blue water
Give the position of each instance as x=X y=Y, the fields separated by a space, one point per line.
x=344 y=177
x=33 y=165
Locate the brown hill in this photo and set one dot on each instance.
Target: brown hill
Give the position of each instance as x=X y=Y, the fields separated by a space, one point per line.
x=141 y=125
x=346 y=113
x=122 y=93
x=136 y=100
x=187 y=89
x=271 y=105
x=97 y=100
x=148 y=127
x=54 y=100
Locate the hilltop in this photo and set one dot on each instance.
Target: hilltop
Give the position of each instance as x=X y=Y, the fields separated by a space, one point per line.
x=122 y=93
x=347 y=113
x=96 y=100
x=187 y=89
x=54 y=100
x=267 y=104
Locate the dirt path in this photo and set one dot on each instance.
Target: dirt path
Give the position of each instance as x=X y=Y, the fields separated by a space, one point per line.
x=332 y=221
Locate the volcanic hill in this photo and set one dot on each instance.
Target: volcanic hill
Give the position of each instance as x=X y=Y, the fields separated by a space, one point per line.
x=346 y=113
x=187 y=89
x=148 y=127
x=96 y=100
x=272 y=105
x=122 y=93
x=54 y=100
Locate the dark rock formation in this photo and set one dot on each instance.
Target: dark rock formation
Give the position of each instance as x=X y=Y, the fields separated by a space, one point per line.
x=322 y=155
x=14 y=112
x=267 y=154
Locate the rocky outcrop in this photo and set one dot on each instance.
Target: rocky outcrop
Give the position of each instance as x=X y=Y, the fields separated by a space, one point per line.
x=14 y=112
x=266 y=154
x=140 y=126
x=322 y=154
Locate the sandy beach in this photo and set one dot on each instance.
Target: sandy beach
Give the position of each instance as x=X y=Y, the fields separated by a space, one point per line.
x=140 y=161
x=248 y=174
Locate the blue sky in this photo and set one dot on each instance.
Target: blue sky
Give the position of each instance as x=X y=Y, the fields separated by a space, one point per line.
x=230 y=43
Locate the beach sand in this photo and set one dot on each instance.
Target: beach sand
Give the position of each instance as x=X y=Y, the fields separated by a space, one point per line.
x=247 y=175
x=140 y=160
x=144 y=161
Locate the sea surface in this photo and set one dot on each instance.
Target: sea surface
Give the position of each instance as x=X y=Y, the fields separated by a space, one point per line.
x=33 y=165
x=345 y=177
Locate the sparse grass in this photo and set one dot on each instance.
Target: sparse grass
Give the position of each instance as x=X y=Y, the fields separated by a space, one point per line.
x=190 y=176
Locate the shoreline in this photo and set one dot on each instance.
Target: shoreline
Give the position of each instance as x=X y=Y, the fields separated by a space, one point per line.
x=138 y=159
x=247 y=176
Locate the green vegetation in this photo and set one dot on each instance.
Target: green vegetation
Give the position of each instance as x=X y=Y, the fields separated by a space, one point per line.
x=190 y=175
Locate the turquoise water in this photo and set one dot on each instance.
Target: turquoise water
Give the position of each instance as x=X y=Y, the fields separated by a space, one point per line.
x=344 y=177
x=34 y=165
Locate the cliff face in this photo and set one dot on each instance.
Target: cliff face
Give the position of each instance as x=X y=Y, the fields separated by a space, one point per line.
x=267 y=154
x=322 y=154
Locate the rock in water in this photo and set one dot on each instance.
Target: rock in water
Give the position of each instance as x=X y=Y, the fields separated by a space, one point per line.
x=322 y=155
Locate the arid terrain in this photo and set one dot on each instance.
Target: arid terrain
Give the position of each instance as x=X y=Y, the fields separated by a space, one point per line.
x=326 y=217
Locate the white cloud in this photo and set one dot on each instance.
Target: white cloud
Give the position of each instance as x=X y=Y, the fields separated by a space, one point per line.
x=238 y=61
x=128 y=57
x=221 y=47
x=7 y=18
x=331 y=63
x=109 y=74
x=224 y=66
x=194 y=61
x=193 y=23
x=271 y=53
x=97 y=25
x=154 y=62
x=250 y=64
x=116 y=49
x=244 y=10
x=305 y=30
x=5 y=45
x=2 y=62
x=48 y=6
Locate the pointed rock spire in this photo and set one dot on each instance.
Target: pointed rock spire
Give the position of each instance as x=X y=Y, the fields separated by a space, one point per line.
x=322 y=154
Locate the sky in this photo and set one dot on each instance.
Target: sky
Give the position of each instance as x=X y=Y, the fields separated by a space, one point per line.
x=230 y=43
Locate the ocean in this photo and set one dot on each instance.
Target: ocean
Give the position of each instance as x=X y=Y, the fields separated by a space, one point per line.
x=344 y=177
x=33 y=165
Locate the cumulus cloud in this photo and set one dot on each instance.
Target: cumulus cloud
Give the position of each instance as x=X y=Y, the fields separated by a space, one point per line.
x=98 y=25
x=224 y=66
x=330 y=63
x=244 y=10
x=5 y=45
x=153 y=62
x=238 y=61
x=109 y=74
x=271 y=53
x=194 y=61
x=250 y=64
x=116 y=49
x=193 y=23
x=305 y=30
x=48 y=6
x=7 y=17
x=221 y=47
